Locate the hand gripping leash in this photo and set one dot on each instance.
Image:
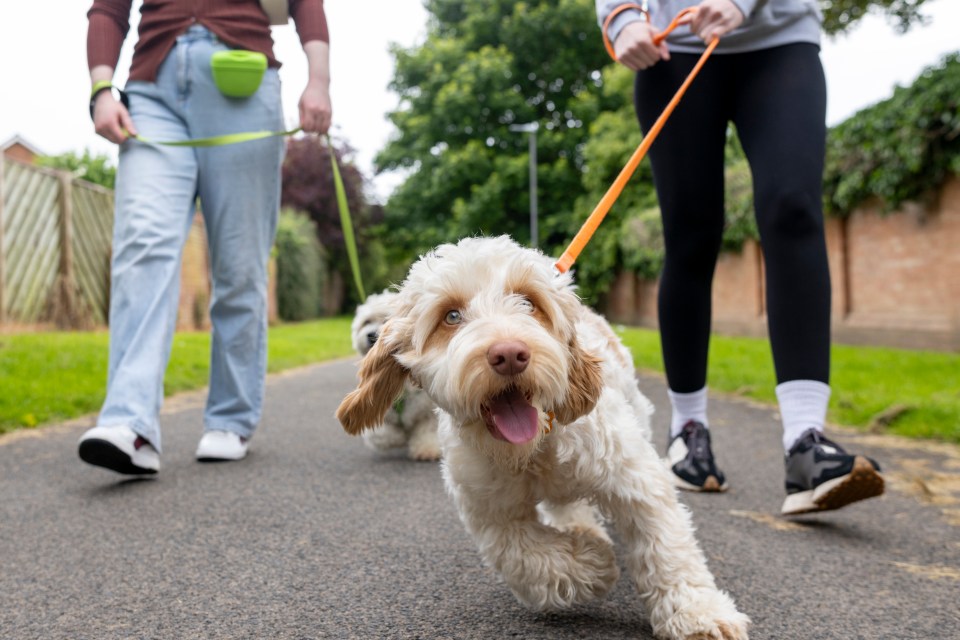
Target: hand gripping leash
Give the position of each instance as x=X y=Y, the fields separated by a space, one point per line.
x=596 y=217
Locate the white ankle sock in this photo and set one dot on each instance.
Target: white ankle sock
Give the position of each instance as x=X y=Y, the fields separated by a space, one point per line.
x=687 y=407
x=803 y=405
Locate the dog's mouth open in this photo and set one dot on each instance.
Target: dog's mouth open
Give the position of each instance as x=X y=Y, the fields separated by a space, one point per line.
x=509 y=416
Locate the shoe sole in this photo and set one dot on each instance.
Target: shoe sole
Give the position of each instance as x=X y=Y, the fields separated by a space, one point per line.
x=103 y=453
x=710 y=485
x=861 y=483
x=219 y=459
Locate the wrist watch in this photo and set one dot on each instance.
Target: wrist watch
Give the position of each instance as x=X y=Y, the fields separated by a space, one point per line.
x=106 y=85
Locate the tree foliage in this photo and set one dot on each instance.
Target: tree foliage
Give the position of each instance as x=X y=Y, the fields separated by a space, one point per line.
x=840 y=16
x=485 y=66
x=95 y=168
x=901 y=149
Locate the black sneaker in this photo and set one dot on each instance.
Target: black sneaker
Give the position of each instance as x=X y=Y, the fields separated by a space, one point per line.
x=691 y=460
x=821 y=476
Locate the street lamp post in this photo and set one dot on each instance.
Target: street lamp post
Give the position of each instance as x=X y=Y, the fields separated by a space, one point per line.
x=531 y=128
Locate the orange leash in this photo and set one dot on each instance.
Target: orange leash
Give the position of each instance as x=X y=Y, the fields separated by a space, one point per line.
x=596 y=217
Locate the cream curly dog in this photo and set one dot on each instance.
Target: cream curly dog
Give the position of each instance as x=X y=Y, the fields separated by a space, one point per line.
x=544 y=434
x=411 y=421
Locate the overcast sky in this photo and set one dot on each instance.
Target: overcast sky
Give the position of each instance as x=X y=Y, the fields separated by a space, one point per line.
x=44 y=85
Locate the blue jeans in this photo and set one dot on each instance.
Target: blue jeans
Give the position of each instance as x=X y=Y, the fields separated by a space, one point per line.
x=157 y=188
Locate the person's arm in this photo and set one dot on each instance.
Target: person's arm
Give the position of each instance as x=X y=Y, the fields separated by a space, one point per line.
x=108 y=24
x=316 y=110
x=632 y=35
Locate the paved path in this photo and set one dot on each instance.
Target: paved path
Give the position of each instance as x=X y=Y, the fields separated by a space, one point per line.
x=314 y=536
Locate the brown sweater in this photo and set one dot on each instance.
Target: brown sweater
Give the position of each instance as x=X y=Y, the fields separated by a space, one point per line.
x=239 y=23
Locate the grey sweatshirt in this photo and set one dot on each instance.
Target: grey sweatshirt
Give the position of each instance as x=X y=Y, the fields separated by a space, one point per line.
x=767 y=23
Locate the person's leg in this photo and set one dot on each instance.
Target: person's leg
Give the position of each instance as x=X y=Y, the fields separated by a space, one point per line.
x=154 y=198
x=780 y=117
x=240 y=199
x=687 y=160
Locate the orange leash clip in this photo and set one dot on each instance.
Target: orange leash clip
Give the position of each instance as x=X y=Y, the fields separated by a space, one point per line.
x=596 y=217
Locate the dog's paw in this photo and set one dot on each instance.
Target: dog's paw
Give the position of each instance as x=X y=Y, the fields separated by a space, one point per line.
x=575 y=568
x=707 y=615
x=424 y=452
x=424 y=444
x=384 y=437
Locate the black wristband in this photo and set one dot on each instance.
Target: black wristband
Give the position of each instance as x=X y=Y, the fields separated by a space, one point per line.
x=122 y=95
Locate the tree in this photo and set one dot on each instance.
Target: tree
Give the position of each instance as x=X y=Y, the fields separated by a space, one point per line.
x=97 y=169
x=487 y=65
x=840 y=16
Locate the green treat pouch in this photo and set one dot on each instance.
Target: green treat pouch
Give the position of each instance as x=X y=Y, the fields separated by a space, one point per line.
x=237 y=73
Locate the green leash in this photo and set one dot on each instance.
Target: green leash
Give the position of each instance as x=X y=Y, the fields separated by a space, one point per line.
x=346 y=221
x=219 y=141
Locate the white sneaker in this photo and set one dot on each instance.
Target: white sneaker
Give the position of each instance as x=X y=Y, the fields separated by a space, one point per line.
x=221 y=445
x=119 y=449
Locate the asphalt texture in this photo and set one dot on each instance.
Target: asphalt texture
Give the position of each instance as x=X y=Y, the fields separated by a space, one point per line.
x=316 y=536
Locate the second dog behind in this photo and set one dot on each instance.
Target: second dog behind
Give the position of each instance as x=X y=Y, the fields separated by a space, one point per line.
x=411 y=422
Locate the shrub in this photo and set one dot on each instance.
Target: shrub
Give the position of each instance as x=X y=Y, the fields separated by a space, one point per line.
x=301 y=279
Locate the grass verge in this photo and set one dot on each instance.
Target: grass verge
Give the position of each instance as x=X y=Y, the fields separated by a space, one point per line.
x=50 y=377
x=909 y=393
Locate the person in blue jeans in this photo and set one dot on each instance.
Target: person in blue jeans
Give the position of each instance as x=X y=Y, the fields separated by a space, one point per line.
x=766 y=78
x=171 y=95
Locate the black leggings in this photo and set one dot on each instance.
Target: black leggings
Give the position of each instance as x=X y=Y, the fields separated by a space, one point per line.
x=777 y=100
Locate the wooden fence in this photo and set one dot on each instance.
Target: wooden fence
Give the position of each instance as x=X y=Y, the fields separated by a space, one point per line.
x=55 y=238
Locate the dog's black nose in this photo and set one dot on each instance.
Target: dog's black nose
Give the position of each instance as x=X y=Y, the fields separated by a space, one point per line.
x=372 y=338
x=508 y=358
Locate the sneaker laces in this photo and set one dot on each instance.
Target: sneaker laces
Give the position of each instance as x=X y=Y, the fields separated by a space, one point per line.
x=697 y=439
x=817 y=438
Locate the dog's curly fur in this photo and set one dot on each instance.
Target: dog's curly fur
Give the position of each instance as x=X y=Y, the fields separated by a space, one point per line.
x=545 y=435
x=411 y=421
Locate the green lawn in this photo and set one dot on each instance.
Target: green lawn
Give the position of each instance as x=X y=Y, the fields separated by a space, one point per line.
x=920 y=390
x=47 y=377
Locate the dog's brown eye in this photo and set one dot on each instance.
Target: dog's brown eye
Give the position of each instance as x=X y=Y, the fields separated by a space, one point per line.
x=453 y=317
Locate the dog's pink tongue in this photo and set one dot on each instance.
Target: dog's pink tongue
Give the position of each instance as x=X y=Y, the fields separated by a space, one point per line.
x=515 y=419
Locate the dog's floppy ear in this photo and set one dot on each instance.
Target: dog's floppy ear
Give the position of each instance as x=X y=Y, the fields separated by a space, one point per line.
x=585 y=384
x=381 y=382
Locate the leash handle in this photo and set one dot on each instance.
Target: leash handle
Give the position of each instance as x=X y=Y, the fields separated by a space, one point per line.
x=684 y=17
x=603 y=207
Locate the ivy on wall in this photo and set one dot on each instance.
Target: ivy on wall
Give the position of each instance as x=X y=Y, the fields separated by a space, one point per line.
x=899 y=150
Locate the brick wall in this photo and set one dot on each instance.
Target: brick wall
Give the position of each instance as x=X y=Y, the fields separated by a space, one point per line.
x=895 y=277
